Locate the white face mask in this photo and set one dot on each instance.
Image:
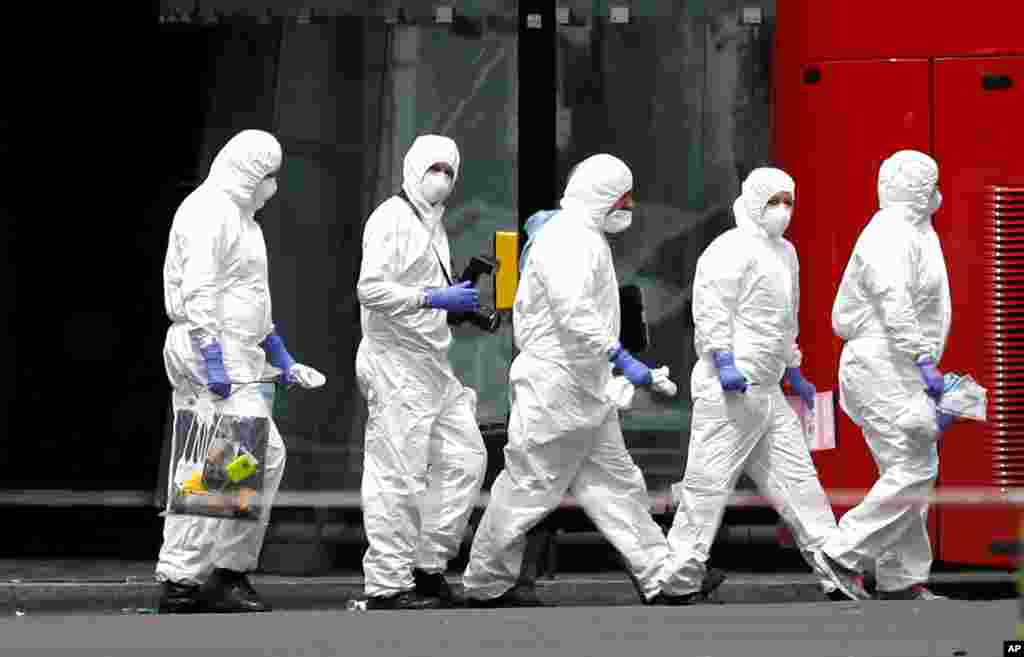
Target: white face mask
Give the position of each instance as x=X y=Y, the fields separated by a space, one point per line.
x=775 y=220
x=435 y=187
x=617 y=221
x=935 y=202
x=264 y=191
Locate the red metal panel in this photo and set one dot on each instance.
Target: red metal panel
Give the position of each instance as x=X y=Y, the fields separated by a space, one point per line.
x=833 y=135
x=874 y=29
x=978 y=142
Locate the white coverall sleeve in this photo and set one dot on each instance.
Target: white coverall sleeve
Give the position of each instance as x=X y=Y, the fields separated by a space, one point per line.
x=203 y=245
x=794 y=357
x=888 y=270
x=570 y=285
x=383 y=258
x=716 y=290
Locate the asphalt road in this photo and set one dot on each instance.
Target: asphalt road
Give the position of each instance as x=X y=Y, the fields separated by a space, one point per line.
x=870 y=629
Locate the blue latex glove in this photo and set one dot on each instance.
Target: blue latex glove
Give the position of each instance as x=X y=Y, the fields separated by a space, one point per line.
x=730 y=377
x=933 y=381
x=802 y=386
x=216 y=376
x=461 y=298
x=636 y=372
x=279 y=357
x=945 y=420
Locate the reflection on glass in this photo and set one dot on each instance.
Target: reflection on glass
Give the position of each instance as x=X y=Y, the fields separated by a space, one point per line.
x=680 y=93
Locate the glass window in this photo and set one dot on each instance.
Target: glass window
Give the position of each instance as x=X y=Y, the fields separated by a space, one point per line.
x=680 y=93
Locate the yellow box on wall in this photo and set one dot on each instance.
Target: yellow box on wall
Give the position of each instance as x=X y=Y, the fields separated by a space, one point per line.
x=506 y=249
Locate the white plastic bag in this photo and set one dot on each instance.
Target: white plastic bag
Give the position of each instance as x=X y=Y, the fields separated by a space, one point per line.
x=662 y=383
x=217 y=464
x=819 y=425
x=621 y=391
x=964 y=398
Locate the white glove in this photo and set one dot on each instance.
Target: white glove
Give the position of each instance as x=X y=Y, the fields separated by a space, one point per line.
x=661 y=383
x=306 y=376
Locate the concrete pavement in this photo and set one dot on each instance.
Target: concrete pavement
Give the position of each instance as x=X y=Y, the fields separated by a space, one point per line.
x=864 y=629
x=32 y=587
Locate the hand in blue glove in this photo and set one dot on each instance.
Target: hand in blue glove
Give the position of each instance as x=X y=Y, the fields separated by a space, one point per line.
x=945 y=420
x=279 y=357
x=635 y=372
x=802 y=386
x=460 y=298
x=217 y=377
x=729 y=376
x=933 y=381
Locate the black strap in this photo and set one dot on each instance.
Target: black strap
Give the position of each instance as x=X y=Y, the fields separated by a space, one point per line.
x=444 y=270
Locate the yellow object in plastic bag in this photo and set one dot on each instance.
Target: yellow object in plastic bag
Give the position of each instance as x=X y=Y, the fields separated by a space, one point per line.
x=194 y=484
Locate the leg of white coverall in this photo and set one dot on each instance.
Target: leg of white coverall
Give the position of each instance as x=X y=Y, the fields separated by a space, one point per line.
x=458 y=460
x=394 y=478
x=239 y=542
x=611 y=489
x=186 y=553
x=783 y=471
x=908 y=561
x=881 y=521
x=724 y=432
x=535 y=478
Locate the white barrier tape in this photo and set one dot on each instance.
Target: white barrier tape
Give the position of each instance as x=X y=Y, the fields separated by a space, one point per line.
x=660 y=501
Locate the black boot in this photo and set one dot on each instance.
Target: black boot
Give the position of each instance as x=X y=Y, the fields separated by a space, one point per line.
x=229 y=592
x=520 y=595
x=433 y=585
x=409 y=600
x=179 y=599
x=713 y=578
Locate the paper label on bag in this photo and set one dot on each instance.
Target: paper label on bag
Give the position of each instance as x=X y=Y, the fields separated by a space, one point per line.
x=819 y=425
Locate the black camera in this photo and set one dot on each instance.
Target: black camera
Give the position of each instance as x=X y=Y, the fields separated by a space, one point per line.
x=485 y=319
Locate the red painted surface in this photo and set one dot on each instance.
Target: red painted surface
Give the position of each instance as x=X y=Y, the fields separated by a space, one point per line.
x=978 y=142
x=854 y=82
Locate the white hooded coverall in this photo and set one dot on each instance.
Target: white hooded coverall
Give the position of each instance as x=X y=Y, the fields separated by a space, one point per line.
x=424 y=457
x=893 y=307
x=745 y=300
x=216 y=282
x=564 y=433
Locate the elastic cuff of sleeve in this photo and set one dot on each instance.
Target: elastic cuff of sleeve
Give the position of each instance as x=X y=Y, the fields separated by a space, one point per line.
x=203 y=339
x=614 y=351
x=723 y=357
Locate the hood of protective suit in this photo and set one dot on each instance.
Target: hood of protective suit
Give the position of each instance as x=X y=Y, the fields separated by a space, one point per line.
x=425 y=152
x=908 y=179
x=595 y=186
x=759 y=187
x=242 y=164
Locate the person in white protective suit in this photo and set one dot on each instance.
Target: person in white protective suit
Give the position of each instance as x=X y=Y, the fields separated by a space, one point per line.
x=221 y=343
x=893 y=311
x=564 y=433
x=746 y=295
x=424 y=456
